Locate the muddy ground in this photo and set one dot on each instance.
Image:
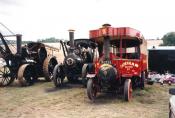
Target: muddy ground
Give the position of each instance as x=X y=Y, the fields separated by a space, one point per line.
x=43 y=100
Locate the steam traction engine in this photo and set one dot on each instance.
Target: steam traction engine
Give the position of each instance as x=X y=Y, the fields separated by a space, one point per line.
x=121 y=64
x=41 y=55
x=80 y=51
x=15 y=65
x=26 y=64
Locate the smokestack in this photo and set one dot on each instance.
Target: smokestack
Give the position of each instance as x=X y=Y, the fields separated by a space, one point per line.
x=106 y=47
x=18 y=43
x=71 y=38
x=106 y=25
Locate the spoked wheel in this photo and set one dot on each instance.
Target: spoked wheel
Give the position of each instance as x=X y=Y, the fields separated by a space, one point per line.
x=48 y=67
x=91 y=90
x=5 y=76
x=57 y=78
x=26 y=75
x=127 y=90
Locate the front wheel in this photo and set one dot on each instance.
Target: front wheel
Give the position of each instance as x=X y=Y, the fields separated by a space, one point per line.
x=127 y=90
x=91 y=90
x=57 y=78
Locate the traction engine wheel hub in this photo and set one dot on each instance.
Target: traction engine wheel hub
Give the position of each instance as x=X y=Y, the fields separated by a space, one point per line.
x=70 y=61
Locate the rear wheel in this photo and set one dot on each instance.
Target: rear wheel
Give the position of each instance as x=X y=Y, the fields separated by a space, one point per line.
x=48 y=67
x=26 y=75
x=91 y=90
x=127 y=90
x=142 y=79
x=57 y=78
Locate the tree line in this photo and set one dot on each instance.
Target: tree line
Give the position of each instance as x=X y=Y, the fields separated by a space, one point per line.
x=168 y=40
x=46 y=40
x=49 y=40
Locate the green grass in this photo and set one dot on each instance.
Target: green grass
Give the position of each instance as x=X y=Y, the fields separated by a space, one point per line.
x=43 y=100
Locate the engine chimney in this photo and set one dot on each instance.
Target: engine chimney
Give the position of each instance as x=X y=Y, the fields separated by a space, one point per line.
x=18 y=43
x=71 y=38
x=106 y=45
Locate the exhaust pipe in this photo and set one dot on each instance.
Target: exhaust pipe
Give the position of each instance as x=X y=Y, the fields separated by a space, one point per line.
x=71 y=38
x=18 y=43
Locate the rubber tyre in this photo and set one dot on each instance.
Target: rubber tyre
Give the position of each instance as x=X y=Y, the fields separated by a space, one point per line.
x=91 y=92
x=127 y=90
x=142 y=79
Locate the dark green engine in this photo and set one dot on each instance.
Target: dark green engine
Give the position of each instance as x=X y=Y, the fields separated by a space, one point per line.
x=76 y=54
x=107 y=75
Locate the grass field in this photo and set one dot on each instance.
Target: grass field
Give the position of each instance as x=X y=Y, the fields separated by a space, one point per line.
x=43 y=100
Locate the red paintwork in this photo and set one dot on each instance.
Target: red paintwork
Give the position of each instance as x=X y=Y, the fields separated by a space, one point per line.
x=126 y=68
x=115 y=33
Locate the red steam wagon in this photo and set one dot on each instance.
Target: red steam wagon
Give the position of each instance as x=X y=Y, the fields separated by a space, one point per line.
x=120 y=61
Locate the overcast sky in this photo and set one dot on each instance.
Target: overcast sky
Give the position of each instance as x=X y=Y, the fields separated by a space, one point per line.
x=36 y=19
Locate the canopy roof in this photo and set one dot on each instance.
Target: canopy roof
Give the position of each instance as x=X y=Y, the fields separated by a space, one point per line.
x=83 y=43
x=124 y=33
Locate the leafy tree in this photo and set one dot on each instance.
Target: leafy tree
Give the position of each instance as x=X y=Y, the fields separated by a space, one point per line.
x=169 y=39
x=48 y=40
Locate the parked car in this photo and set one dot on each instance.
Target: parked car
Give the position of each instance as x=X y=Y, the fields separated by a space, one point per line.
x=168 y=79
x=153 y=77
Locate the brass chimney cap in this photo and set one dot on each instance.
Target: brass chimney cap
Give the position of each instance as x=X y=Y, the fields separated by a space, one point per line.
x=71 y=30
x=18 y=34
x=106 y=25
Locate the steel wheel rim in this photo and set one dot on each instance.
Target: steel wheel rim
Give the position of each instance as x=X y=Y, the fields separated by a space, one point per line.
x=51 y=68
x=4 y=76
x=29 y=76
x=58 y=81
x=94 y=92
